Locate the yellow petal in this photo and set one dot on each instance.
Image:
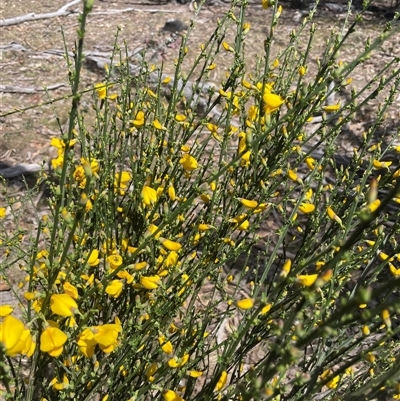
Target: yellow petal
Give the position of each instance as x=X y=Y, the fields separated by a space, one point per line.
x=246 y=303
x=307 y=280
x=306 y=208
x=171 y=245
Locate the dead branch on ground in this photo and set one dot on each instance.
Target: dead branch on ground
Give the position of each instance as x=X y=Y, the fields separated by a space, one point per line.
x=63 y=11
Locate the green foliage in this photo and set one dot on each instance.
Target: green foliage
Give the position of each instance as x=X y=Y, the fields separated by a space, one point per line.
x=128 y=294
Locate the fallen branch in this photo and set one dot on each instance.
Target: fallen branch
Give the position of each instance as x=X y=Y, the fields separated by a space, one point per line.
x=61 y=12
x=19 y=89
x=19 y=169
x=126 y=10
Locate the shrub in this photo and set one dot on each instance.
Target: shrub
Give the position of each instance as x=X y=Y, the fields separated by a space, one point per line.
x=128 y=294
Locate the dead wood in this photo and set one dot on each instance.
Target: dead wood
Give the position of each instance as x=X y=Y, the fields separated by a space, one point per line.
x=19 y=169
x=19 y=89
x=63 y=11
x=127 y=10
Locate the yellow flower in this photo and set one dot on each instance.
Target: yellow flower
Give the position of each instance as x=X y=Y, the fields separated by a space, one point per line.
x=380 y=165
x=115 y=261
x=194 y=373
x=251 y=204
x=227 y=47
x=246 y=303
x=222 y=381
x=122 y=179
x=86 y=342
x=180 y=117
x=265 y=309
x=149 y=195
x=272 y=102
x=189 y=163
x=171 y=245
x=171 y=259
x=56 y=385
x=265 y=4
x=5 y=310
x=170 y=395
x=101 y=90
x=166 y=346
x=302 y=70
x=307 y=280
x=306 y=208
x=106 y=336
x=139 y=119
x=171 y=193
x=115 y=288
x=2 y=212
x=158 y=125
x=373 y=206
x=52 y=341
x=333 y=216
x=332 y=108
x=395 y=272
x=15 y=337
x=70 y=290
x=63 y=305
x=93 y=259
x=150 y=282
x=286 y=268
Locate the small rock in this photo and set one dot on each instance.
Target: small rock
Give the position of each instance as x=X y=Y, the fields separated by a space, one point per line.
x=174 y=25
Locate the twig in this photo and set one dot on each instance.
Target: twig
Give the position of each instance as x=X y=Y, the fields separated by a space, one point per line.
x=34 y=17
x=19 y=89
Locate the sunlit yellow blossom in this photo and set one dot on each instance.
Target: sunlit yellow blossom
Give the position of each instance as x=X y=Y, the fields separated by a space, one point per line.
x=395 y=272
x=332 y=108
x=374 y=205
x=106 y=336
x=58 y=386
x=94 y=258
x=139 y=119
x=150 y=282
x=115 y=288
x=272 y=102
x=170 y=395
x=166 y=346
x=265 y=4
x=86 y=342
x=114 y=261
x=171 y=193
x=52 y=341
x=5 y=310
x=311 y=163
x=63 y=305
x=221 y=381
x=158 y=125
x=180 y=117
x=122 y=179
x=101 y=89
x=15 y=338
x=381 y=165
x=194 y=373
x=333 y=216
x=306 y=208
x=149 y=195
x=246 y=303
x=70 y=290
x=302 y=70
x=189 y=163
x=286 y=268
x=265 y=309
x=227 y=47
x=171 y=245
x=251 y=204
x=307 y=280
x=2 y=212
